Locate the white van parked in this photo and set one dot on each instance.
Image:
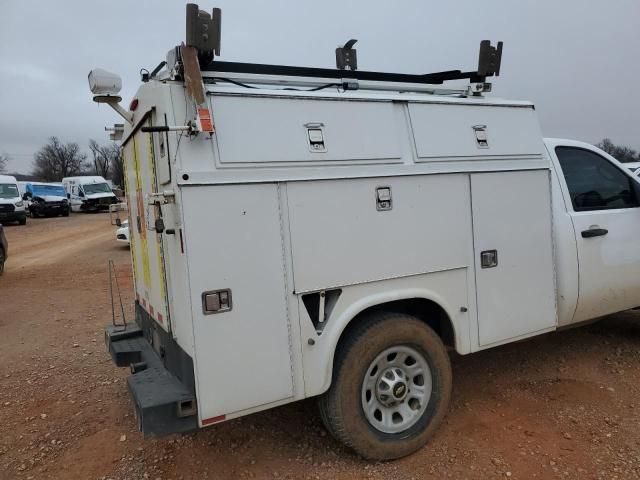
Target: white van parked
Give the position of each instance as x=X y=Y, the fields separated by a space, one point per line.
x=89 y=193
x=12 y=207
x=332 y=232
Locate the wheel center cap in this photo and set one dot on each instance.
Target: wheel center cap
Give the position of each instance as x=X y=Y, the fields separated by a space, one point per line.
x=399 y=391
x=392 y=387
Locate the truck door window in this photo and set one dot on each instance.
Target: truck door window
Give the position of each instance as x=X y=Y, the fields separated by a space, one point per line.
x=594 y=182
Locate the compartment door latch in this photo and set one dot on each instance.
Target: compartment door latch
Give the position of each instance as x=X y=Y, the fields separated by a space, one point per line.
x=384 y=201
x=489 y=259
x=217 y=301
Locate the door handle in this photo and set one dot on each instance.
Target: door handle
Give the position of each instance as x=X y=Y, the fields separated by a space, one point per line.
x=594 y=232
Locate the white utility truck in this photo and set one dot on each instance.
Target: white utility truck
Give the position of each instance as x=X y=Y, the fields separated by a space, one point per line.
x=300 y=232
x=89 y=193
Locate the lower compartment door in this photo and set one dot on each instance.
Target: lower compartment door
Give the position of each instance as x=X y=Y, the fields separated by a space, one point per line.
x=513 y=255
x=233 y=243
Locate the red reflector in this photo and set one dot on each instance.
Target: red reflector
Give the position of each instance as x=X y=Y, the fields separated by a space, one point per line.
x=217 y=419
x=206 y=124
x=133 y=105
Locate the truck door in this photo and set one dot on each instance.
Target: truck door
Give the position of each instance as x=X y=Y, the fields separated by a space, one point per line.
x=513 y=255
x=146 y=244
x=604 y=205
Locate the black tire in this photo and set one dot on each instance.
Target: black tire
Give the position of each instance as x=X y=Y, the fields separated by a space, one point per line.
x=33 y=214
x=66 y=213
x=1 y=261
x=23 y=221
x=341 y=407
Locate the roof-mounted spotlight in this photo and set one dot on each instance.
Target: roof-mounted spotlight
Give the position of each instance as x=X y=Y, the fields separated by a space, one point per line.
x=105 y=87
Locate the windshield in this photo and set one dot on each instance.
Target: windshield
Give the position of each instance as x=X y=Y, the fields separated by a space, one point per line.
x=8 y=190
x=92 y=188
x=44 y=190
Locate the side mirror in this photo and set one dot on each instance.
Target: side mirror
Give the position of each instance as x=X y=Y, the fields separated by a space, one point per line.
x=68 y=196
x=80 y=193
x=118 y=222
x=25 y=196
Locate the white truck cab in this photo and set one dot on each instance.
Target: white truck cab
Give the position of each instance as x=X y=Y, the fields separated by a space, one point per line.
x=596 y=227
x=89 y=193
x=12 y=207
x=303 y=232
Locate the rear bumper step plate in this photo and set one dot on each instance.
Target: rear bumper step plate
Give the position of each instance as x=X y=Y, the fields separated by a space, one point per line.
x=163 y=404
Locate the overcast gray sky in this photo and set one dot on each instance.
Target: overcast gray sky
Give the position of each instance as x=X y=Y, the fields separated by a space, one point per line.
x=578 y=60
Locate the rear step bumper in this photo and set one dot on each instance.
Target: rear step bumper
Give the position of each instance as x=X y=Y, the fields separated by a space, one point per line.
x=163 y=403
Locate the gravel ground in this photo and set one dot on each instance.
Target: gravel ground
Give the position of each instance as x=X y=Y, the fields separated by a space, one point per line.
x=564 y=405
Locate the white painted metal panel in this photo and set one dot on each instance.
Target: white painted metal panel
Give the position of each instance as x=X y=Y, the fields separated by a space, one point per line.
x=339 y=237
x=254 y=130
x=512 y=214
x=446 y=131
x=609 y=265
x=233 y=241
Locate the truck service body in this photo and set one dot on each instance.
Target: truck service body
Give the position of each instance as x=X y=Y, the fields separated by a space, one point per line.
x=309 y=231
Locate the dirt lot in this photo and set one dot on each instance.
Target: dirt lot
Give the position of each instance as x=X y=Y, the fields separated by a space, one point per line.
x=566 y=405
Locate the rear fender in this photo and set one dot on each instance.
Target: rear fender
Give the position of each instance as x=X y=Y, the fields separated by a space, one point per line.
x=319 y=349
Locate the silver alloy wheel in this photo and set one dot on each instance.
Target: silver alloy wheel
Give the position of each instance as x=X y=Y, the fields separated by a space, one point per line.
x=396 y=389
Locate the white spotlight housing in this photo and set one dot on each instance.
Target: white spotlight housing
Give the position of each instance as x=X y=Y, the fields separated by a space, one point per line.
x=102 y=82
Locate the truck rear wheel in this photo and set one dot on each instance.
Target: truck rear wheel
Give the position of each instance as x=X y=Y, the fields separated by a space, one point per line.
x=391 y=387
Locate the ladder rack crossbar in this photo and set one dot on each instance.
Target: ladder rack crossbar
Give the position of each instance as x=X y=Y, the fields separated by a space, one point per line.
x=316 y=83
x=437 y=78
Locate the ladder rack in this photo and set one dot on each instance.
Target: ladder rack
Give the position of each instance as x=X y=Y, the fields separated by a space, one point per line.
x=204 y=34
x=316 y=79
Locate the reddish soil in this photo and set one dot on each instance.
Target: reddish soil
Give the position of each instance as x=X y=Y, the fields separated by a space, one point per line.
x=565 y=405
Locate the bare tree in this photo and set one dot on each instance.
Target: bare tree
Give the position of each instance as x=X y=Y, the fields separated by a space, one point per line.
x=4 y=159
x=101 y=158
x=107 y=161
x=620 y=153
x=56 y=160
x=117 y=165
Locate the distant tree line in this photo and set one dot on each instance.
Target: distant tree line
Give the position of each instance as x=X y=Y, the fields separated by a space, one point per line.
x=620 y=153
x=57 y=160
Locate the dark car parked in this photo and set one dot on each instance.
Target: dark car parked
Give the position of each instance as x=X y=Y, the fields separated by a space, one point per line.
x=4 y=249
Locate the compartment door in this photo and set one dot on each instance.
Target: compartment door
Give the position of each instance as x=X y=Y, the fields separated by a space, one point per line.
x=146 y=245
x=242 y=341
x=513 y=255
